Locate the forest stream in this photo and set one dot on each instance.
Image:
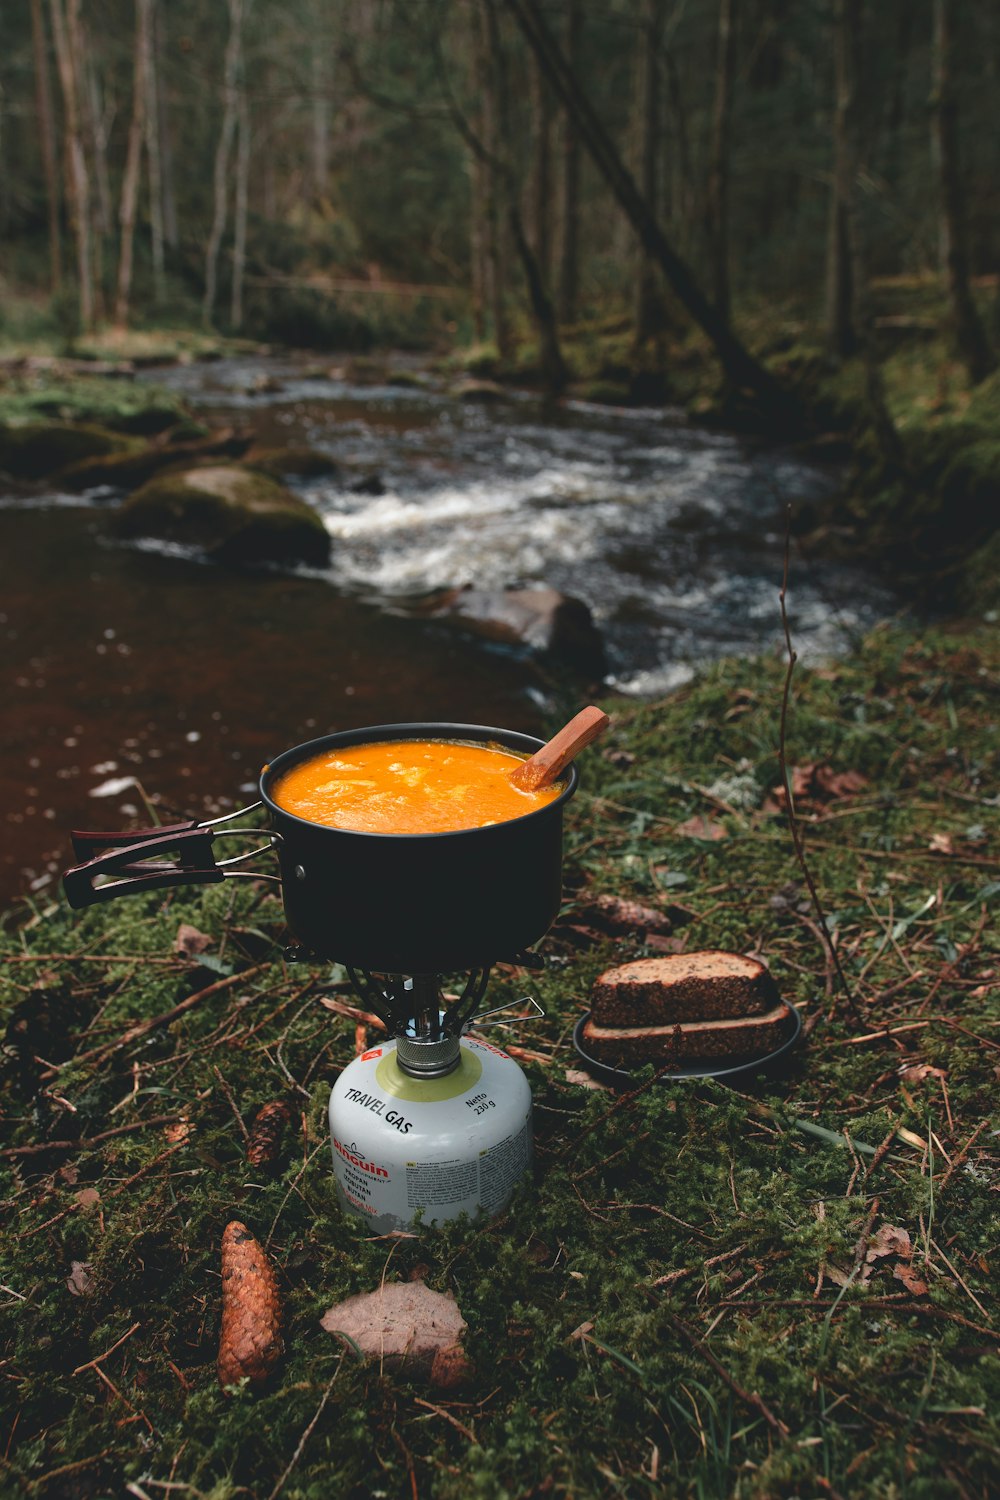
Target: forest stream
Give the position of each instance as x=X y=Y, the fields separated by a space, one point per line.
x=135 y=671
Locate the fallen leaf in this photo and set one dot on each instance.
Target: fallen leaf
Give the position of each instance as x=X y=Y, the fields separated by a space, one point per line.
x=581 y=1332
x=889 y=1240
x=616 y=915
x=918 y=1071
x=190 y=942
x=833 y=784
x=659 y=944
x=406 y=1326
x=817 y=781
x=905 y=1273
x=79 y=1281
x=583 y=1080
x=940 y=843
x=700 y=827
x=87 y=1198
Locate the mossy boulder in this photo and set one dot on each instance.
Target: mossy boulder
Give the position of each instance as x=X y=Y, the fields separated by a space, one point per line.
x=233 y=514
x=127 y=471
x=291 y=463
x=33 y=450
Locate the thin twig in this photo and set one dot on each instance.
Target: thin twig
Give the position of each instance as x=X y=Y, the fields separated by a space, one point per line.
x=232 y=1104
x=128 y=1182
x=749 y=1398
x=85 y=1143
x=93 y=1363
x=439 y=1411
x=307 y=1434
x=959 y=1160
x=786 y=782
x=141 y=1028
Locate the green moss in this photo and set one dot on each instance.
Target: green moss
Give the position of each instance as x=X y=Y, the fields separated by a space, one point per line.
x=590 y=1377
x=122 y=405
x=34 y=450
x=234 y=514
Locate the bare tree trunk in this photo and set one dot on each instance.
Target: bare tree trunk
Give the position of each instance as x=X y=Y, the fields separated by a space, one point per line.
x=648 y=319
x=133 y=162
x=848 y=52
x=65 y=25
x=95 y=116
x=151 y=82
x=971 y=343
x=839 y=289
x=162 y=145
x=553 y=367
x=477 y=246
x=541 y=196
x=47 y=141
x=681 y=174
x=96 y=124
x=240 y=210
x=230 y=104
x=718 y=177
x=569 y=259
x=742 y=370
x=495 y=229
x=320 y=134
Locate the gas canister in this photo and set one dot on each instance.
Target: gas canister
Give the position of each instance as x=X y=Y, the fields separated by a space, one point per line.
x=410 y=1149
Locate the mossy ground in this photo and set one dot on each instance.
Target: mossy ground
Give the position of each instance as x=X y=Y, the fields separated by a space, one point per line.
x=766 y=1364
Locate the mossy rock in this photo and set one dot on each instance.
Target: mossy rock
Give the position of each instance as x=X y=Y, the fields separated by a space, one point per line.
x=127 y=471
x=233 y=514
x=149 y=420
x=33 y=450
x=291 y=463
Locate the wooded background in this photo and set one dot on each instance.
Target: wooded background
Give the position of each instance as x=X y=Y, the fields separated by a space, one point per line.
x=277 y=168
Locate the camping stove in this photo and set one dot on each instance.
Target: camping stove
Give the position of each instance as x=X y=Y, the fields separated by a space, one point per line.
x=431 y=1123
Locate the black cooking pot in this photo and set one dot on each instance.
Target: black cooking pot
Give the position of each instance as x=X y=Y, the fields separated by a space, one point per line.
x=424 y=903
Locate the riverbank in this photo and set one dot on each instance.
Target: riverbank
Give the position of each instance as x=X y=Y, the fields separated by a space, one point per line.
x=925 y=514
x=779 y=1290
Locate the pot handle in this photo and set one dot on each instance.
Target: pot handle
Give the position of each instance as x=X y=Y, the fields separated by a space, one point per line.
x=133 y=856
x=87 y=844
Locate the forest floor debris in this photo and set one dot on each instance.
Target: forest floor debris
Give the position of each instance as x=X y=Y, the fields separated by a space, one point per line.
x=784 y=1289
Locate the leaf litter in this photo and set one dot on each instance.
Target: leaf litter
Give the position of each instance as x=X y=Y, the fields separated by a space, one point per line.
x=680 y=1223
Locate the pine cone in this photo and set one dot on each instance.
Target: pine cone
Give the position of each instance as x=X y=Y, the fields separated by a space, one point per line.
x=250 y=1342
x=266 y=1132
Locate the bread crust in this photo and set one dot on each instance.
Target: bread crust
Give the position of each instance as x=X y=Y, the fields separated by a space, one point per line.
x=631 y=1046
x=683 y=987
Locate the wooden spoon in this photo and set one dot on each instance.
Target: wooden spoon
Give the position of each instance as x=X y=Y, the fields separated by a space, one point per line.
x=548 y=763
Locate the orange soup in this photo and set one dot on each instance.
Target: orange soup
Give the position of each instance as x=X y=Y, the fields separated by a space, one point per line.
x=408 y=786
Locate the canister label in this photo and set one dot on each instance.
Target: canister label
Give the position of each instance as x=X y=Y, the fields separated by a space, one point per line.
x=436 y=1148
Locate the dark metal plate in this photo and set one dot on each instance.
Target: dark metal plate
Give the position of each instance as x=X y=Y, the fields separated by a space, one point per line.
x=740 y=1071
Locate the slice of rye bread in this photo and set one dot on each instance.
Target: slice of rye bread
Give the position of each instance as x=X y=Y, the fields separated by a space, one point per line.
x=711 y=985
x=631 y=1046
